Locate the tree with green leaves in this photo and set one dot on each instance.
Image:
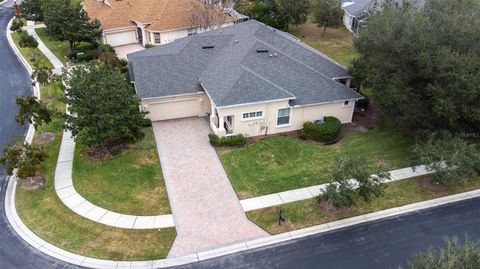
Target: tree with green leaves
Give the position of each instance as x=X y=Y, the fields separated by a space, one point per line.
x=422 y=65
x=42 y=74
x=104 y=110
x=67 y=21
x=453 y=254
x=31 y=10
x=327 y=13
x=352 y=176
x=294 y=12
x=451 y=158
x=23 y=158
x=276 y=13
x=17 y=25
x=26 y=40
x=33 y=111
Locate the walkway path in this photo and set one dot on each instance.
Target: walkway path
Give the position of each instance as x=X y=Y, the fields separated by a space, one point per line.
x=280 y=198
x=73 y=200
x=205 y=208
x=41 y=46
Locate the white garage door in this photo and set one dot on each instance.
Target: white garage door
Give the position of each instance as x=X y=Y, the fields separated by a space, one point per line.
x=174 y=109
x=122 y=38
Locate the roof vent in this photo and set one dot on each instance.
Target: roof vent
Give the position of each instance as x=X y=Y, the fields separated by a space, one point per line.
x=262 y=50
x=207 y=47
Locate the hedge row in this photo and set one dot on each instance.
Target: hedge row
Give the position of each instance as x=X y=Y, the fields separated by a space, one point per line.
x=234 y=140
x=326 y=132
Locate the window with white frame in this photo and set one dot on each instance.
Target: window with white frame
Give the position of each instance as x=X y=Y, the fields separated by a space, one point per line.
x=252 y=115
x=157 y=38
x=346 y=103
x=192 y=31
x=283 y=116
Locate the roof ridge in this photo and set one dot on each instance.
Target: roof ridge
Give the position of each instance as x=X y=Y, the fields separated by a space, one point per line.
x=295 y=60
x=266 y=80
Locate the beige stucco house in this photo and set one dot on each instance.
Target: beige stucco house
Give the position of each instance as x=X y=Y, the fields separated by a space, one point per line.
x=247 y=79
x=155 y=22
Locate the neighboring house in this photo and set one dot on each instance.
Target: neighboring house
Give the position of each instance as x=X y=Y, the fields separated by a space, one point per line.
x=154 y=22
x=356 y=12
x=248 y=78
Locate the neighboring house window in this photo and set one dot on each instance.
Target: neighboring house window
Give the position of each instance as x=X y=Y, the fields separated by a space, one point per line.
x=157 y=38
x=252 y=115
x=283 y=116
x=192 y=31
x=346 y=103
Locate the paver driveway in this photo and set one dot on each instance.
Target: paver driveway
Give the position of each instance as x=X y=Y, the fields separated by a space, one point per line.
x=205 y=208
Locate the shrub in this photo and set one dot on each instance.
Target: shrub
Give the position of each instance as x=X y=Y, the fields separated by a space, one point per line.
x=363 y=103
x=16 y=25
x=326 y=132
x=85 y=57
x=229 y=141
x=147 y=46
x=27 y=41
x=340 y=194
x=106 y=48
x=86 y=46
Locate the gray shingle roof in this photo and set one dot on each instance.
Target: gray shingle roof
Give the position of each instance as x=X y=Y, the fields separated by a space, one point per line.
x=234 y=73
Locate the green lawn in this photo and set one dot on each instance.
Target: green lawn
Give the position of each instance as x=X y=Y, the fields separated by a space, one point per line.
x=284 y=163
x=50 y=219
x=337 y=43
x=57 y=47
x=27 y=52
x=307 y=213
x=128 y=183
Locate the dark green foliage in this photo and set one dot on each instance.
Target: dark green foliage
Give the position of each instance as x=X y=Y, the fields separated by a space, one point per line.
x=32 y=111
x=327 y=13
x=422 y=66
x=452 y=158
x=341 y=192
x=363 y=103
x=106 y=48
x=27 y=41
x=17 y=25
x=42 y=74
x=105 y=111
x=326 y=132
x=276 y=13
x=111 y=60
x=86 y=46
x=31 y=10
x=229 y=141
x=453 y=254
x=67 y=21
x=23 y=157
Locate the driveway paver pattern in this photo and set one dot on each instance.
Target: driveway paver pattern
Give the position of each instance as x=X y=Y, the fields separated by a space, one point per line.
x=206 y=211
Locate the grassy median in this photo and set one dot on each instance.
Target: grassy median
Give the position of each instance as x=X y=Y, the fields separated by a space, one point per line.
x=308 y=213
x=43 y=212
x=28 y=52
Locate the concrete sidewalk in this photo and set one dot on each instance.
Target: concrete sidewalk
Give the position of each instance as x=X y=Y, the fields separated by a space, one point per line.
x=43 y=48
x=281 y=198
x=205 y=208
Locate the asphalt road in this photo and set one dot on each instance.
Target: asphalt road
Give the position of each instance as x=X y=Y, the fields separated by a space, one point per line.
x=381 y=244
x=14 y=81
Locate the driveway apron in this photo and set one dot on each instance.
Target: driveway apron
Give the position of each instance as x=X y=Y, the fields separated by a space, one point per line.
x=206 y=210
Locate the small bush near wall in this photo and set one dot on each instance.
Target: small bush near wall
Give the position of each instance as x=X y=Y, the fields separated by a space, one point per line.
x=229 y=141
x=326 y=132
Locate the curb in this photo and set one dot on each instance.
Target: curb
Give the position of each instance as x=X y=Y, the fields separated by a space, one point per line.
x=15 y=49
x=80 y=260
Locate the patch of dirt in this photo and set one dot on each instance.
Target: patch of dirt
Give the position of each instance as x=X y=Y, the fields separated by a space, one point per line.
x=110 y=149
x=47 y=98
x=244 y=195
x=32 y=183
x=426 y=183
x=44 y=138
x=331 y=212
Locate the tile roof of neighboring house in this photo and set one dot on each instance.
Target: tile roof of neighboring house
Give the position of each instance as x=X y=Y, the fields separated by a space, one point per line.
x=234 y=73
x=161 y=15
